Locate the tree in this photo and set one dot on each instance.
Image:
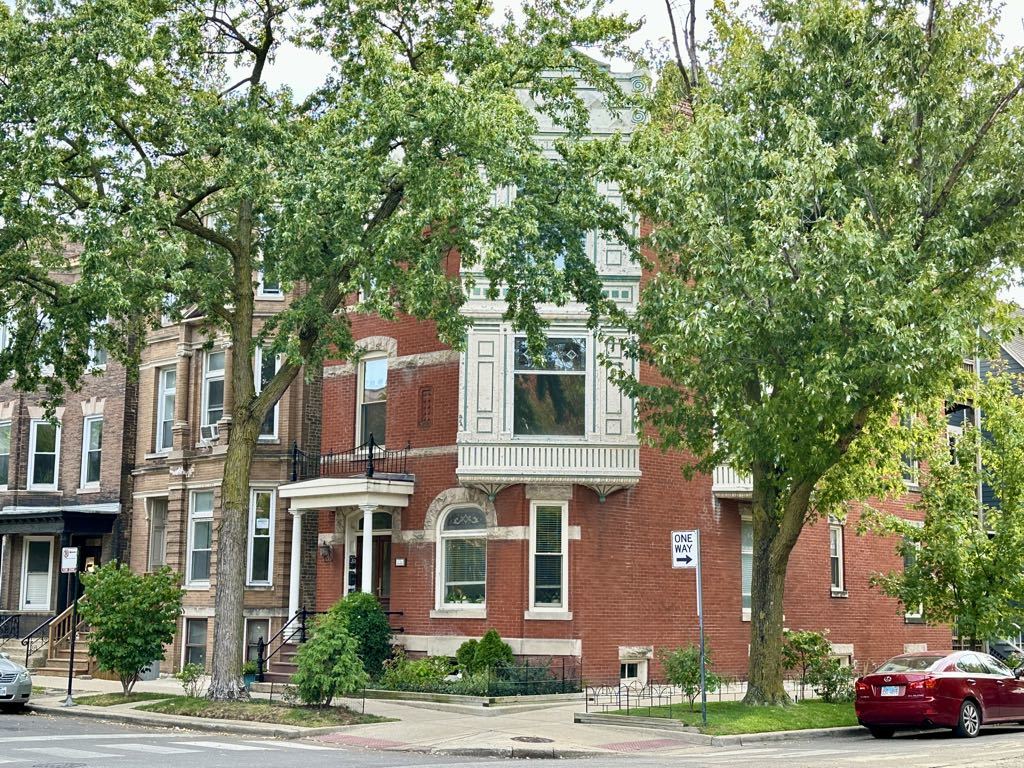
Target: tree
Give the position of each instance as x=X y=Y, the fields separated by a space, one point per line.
x=965 y=564
x=835 y=199
x=131 y=617
x=328 y=662
x=682 y=669
x=145 y=131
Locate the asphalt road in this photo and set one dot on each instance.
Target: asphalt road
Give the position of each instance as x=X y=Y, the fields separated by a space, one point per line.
x=42 y=741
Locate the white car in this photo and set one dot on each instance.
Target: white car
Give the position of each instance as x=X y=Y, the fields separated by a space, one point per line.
x=15 y=684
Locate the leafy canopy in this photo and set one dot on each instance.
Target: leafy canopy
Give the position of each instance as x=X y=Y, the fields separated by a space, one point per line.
x=131 y=616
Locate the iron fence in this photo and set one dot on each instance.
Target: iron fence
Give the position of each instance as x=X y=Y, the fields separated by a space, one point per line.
x=366 y=460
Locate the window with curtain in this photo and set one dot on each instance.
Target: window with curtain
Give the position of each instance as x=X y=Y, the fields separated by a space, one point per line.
x=373 y=400
x=157 y=533
x=548 y=543
x=746 y=561
x=200 y=538
x=463 y=549
x=261 y=537
x=549 y=397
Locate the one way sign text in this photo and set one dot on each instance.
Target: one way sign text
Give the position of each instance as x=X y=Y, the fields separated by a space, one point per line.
x=685 y=549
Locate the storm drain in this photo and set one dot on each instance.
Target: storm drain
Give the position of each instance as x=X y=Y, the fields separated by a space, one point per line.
x=532 y=739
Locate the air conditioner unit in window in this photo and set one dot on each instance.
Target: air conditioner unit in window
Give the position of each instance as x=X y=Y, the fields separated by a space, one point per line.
x=208 y=433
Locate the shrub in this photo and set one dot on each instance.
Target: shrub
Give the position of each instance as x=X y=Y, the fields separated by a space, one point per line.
x=191 y=678
x=492 y=652
x=682 y=669
x=404 y=674
x=367 y=623
x=328 y=662
x=465 y=656
x=250 y=668
x=132 y=616
x=805 y=652
x=832 y=680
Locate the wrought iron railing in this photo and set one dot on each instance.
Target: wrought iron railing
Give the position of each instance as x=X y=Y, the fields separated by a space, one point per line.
x=292 y=632
x=366 y=460
x=37 y=638
x=10 y=626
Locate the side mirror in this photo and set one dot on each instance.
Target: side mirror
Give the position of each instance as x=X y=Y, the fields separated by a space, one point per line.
x=1018 y=672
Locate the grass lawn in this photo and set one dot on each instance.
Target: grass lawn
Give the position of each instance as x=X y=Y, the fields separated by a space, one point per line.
x=731 y=717
x=110 y=699
x=260 y=712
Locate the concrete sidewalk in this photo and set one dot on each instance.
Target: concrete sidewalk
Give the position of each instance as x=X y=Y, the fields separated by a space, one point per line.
x=542 y=732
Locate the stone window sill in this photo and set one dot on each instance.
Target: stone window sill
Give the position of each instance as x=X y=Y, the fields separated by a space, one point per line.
x=198 y=587
x=548 y=615
x=459 y=613
x=88 y=489
x=840 y=593
x=746 y=614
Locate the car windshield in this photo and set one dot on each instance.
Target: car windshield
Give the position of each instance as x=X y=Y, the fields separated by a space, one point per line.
x=915 y=663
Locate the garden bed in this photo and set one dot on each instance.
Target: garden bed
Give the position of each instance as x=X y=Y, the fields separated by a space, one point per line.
x=113 y=699
x=734 y=717
x=260 y=712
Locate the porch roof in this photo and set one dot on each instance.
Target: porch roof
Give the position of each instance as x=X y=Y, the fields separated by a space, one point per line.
x=84 y=518
x=332 y=492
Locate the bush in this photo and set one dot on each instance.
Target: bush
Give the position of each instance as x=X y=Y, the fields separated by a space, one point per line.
x=404 y=674
x=465 y=656
x=132 y=616
x=805 y=652
x=492 y=652
x=832 y=680
x=328 y=662
x=368 y=624
x=682 y=669
x=191 y=678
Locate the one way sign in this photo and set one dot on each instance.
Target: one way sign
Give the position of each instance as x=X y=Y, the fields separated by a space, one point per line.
x=685 y=549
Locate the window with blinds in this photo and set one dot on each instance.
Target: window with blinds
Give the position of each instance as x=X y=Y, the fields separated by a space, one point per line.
x=261 y=537
x=463 y=546
x=746 y=561
x=157 y=533
x=548 y=542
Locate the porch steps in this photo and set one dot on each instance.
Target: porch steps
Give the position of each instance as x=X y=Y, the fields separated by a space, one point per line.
x=57 y=659
x=282 y=666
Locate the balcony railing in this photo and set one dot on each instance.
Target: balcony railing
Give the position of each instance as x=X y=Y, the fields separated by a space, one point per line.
x=366 y=460
x=727 y=483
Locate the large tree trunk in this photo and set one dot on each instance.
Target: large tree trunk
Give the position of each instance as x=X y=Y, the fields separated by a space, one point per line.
x=777 y=527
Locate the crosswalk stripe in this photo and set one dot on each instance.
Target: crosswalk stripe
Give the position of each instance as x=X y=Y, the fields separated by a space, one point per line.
x=749 y=751
x=290 y=745
x=810 y=753
x=879 y=758
x=154 y=749
x=77 y=754
x=221 y=745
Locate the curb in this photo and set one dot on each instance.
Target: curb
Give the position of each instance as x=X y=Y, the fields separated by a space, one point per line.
x=691 y=736
x=188 y=723
x=807 y=733
x=510 y=753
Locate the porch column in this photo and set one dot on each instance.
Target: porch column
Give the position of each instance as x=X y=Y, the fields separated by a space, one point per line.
x=295 y=571
x=368 y=510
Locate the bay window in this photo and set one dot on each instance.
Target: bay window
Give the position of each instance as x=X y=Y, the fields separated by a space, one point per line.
x=200 y=538
x=549 y=395
x=549 y=562
x=463 y=558
x=261 y=538
x=43 y=455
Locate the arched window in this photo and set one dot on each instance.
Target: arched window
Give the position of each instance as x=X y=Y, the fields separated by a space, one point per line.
x=462 y=549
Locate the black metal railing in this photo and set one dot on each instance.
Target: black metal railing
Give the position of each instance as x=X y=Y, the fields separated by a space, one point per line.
x=10 y=626
x=37 y=638
x=366 y=460
x=292 y=632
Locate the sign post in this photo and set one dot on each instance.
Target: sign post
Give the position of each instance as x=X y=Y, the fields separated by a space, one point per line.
x=69 y=565
x=686 y=554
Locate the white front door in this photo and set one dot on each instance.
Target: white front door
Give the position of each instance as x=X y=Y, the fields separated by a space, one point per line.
x=36 y=573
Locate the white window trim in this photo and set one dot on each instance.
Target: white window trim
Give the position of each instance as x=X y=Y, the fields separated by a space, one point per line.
x=87 y=425
x=561 y=611
x=919 y=613
x=249 y=582
x=24 y=574
x=33 y=425
x=207 y=379
x=184 y=636
x=835 y=527
x=912 y=483
x=461 y=610
x=553 y=332
x=745 y=518
x=151 y=566
x=263 y=293
x=161 y=394
x=258 y=381
x=10 y=426
x=245 y=632
x=641 y=672
x=192 y=517
x=360 y=382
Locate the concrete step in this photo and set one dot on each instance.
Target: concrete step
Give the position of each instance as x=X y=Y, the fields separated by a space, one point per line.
x=60 y=671
x=277 y=677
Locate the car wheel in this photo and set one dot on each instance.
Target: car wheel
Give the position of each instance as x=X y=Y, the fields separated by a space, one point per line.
x=970 y=720
x=881 y=731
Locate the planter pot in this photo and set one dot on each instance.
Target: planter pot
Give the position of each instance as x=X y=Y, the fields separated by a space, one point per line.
x=249 y=680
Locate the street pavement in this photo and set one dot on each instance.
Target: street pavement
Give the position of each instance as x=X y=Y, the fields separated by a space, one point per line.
x=43 y=741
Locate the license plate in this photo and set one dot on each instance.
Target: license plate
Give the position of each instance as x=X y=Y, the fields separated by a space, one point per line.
x=3 y=691
x=891 y=690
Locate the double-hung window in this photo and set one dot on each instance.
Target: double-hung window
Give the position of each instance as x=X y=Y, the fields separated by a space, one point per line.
x=746 y=563
x=167 y=389
x=268 y=288
x=261 y=538
x=372 y=409
x=266 y=365
x=92 y=451
x=5 y=453
x=463 y=558
x=195 y=641
x=200 y=537
x=43 y=455
x=550 y=395
x=213 y=388
x=835 y=557
x=157 y=533
x=915 y=613
x=909 y=461
x=549 y=562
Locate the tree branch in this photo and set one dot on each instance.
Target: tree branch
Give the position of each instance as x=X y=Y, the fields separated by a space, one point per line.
x=128 y=134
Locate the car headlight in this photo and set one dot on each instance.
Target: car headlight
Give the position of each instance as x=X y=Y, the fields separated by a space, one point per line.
x=24 y=677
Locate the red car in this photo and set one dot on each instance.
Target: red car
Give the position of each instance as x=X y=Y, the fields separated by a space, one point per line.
x=959 y=690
